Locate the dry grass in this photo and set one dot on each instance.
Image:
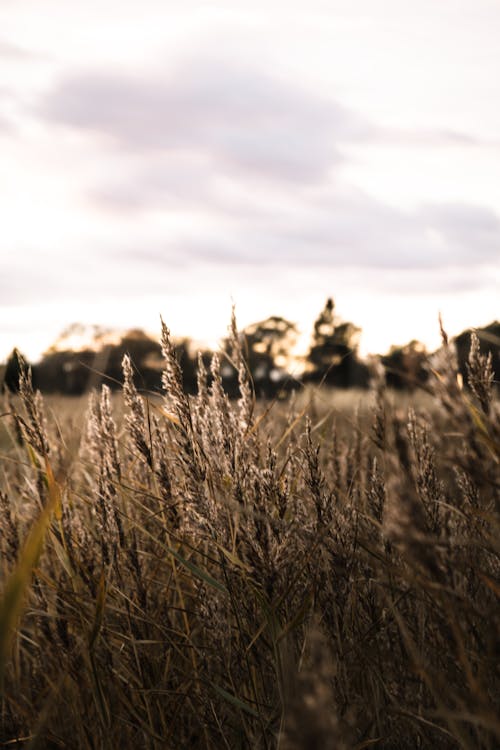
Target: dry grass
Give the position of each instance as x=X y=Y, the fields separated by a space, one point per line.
x=221 y=574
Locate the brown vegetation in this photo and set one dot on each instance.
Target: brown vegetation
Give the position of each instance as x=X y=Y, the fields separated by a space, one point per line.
x=207 y=573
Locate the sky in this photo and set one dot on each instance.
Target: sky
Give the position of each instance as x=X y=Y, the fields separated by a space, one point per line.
x=171 y=158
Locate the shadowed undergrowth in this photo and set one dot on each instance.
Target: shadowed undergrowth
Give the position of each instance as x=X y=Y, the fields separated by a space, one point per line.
x=206 y=573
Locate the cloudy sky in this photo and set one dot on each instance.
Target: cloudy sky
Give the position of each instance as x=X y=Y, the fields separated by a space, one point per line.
x=172 y=157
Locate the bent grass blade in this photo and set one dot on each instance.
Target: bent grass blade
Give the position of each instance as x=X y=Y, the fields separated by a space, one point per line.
x=11 y=603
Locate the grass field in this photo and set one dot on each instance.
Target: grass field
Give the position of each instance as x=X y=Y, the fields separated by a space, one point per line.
x=201 y=573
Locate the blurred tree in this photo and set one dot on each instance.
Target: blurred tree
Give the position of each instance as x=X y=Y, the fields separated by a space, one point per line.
x=332 y=357
x=65 y=371
x=74 y=372
x=267 y=345
x=489 y=342
x=406 y=367
x=145 y=353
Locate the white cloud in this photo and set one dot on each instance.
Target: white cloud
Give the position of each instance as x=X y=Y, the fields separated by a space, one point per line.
x=278 y=158
x=239 y=117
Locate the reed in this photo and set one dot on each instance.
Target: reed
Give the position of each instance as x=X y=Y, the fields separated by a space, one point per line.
x=208 y=573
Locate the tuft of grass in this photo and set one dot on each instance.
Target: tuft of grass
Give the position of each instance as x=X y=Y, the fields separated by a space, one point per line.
x=318 y=573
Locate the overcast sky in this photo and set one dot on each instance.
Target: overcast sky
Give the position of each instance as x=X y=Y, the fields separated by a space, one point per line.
x=172 y=157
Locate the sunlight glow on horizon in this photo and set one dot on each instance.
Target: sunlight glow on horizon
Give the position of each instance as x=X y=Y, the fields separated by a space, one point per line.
x=207 y=327
x=187 y=157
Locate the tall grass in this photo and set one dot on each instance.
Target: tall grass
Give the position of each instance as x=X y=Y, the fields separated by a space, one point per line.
x=206 y=573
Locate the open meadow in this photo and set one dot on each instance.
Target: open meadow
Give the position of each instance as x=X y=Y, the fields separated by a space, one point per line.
x=199 y=572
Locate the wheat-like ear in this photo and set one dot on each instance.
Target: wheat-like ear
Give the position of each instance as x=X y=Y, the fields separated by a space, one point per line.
x=136 y=418
x=247 y=396
x=213 y=578
x=172 y=381
x=177 y=401
x=33 y=426
x=480 y=373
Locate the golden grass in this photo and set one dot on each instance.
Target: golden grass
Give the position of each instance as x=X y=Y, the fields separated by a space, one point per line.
x=313 y=574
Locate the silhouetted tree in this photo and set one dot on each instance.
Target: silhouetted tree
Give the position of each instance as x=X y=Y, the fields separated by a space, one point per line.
x=333 y=356
x=145 y=353
x=267 y=345
x=74 y=372
x=406 y=367
x=489 y=342
x=67 y=371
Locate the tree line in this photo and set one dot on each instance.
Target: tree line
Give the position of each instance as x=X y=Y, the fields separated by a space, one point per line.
x=332 y=360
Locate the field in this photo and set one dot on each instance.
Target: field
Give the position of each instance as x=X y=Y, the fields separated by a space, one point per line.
x=204 y=573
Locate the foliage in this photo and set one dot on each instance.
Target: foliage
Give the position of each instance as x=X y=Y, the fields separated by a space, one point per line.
x=77 y=372
x=333 y=356
x=332 y=359
x=267 y=346
x=406 y=367
x=489 y=345
x=216 y=575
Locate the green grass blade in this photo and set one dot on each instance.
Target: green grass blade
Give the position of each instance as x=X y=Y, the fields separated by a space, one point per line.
x=17 y=585
x=198 y=572
x=234 y=700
